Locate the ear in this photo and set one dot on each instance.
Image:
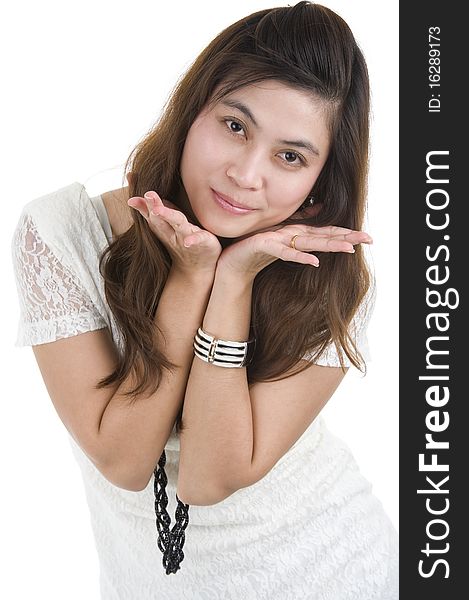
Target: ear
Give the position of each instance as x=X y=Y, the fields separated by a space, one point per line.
x=305 y=213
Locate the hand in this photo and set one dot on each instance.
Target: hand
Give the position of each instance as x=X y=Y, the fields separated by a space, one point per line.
x=252 y=254
x=191 y=248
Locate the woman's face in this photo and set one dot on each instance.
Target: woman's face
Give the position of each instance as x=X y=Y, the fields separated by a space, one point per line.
x=263 y=154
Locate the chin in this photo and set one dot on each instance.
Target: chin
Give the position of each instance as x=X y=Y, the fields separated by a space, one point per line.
x=225 y=230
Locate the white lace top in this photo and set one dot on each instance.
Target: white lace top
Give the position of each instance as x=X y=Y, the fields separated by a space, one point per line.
x=311 y=528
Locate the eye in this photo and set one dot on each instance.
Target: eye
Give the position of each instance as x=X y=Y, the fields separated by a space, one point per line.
x=302 y=161
x=229 y=126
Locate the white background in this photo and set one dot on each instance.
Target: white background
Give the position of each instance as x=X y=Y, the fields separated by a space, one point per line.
x=82 y=83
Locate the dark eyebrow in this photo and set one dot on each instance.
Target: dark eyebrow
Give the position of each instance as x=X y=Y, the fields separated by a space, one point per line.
x=247 y=112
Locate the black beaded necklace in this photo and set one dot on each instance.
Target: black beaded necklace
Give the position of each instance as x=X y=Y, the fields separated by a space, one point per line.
x=170 y=541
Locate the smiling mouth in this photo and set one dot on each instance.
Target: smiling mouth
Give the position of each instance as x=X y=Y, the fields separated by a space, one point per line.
x=230 y=205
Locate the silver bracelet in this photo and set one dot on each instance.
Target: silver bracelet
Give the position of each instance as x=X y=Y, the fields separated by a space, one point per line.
x=223 y=353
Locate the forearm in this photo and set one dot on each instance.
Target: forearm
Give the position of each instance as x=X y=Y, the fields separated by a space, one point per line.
x=217 y=440
x=135 y=435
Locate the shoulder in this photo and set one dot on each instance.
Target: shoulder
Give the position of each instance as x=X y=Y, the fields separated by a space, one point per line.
x=65 y=221
x=54 y=204
x=58 y=213
x=57 y=244
x=43 y=216
x=117 y=209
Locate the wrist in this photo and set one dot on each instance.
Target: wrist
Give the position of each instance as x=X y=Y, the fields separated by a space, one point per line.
x=229 y=307
x=194 y=277
x=236 y=279
x=221 y=352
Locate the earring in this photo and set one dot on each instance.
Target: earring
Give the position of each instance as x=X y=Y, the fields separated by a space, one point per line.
x=308 y=202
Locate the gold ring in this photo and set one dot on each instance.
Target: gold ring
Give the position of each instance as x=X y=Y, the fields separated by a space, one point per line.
x=292 y=243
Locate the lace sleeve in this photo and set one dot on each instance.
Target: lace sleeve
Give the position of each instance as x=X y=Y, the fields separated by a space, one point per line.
x=53 y=304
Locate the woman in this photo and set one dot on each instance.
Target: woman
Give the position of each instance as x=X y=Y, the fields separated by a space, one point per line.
x=242 y=249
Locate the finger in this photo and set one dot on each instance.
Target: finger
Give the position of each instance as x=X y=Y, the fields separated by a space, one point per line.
x=276 y=248
x=175 y=221
x=197 y=239
x=323 y=244
x=153 y=196
x=166 y=219
x=158 y=224
x=313 y=230
x=331 y=230
x=153 y=201
x=139 y=204
x=182 y=231
x=143 y=205
x=354 y=237
x=175 y=218
x=160 y=228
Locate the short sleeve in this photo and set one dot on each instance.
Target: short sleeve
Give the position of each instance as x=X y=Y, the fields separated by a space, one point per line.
x=53 y=303
x=358 y=329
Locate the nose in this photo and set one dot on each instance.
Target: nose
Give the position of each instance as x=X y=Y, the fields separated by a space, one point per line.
x=245 y=170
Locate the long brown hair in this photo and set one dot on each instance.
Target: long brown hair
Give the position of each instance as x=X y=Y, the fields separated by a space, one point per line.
x=295 y=309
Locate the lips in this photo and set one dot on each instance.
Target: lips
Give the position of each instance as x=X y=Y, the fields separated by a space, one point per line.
x=232 y=202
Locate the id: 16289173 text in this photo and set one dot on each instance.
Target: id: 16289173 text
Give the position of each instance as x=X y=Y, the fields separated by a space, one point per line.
x=434 y=69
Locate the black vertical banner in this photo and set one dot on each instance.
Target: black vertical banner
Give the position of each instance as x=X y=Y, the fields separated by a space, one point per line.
x=434 y=267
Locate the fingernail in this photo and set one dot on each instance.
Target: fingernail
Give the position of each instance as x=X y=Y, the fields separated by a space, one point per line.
x=351 y=251
x=148 y=195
